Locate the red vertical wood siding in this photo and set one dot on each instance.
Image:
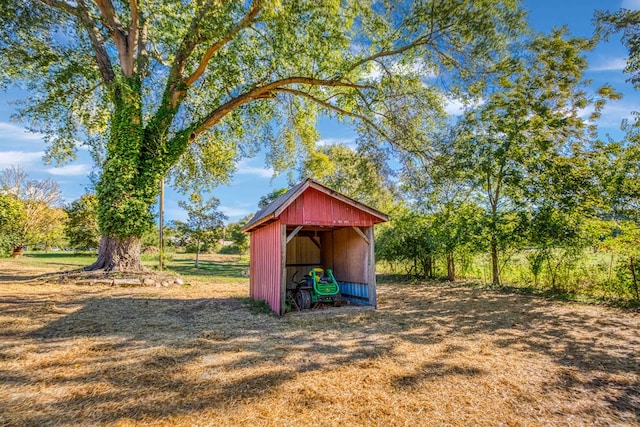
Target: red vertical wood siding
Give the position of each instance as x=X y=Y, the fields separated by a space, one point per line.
x=265 y=268
x=317 y=208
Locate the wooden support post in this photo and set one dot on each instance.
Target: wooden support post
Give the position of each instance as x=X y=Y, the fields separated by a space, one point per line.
x=283 y=266
x=371 y=265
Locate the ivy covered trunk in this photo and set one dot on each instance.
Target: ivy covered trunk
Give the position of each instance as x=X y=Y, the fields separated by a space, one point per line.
x=128 y=186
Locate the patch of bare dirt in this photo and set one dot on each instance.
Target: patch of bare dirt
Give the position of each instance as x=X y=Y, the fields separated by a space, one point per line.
x=430 y=355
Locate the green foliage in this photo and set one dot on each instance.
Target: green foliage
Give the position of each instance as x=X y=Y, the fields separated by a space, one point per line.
x=268 y=198
x=12 y=216
x=524 y=145
x=525 y=165
x=52 y=231
x=82 y=225
x=352 y=173
x=239 y=238
x=204 y=224
x=411 y=242
x=621 y=239
x=420 y=242
x=42 y=222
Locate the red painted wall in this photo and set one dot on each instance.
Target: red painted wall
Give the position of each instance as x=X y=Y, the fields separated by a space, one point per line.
x=317 y=208
x=265 y=268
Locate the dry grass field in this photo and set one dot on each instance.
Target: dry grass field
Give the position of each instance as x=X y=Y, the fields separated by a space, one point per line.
x=200 y=355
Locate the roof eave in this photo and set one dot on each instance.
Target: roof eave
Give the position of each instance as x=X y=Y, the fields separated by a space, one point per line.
x=262 y=221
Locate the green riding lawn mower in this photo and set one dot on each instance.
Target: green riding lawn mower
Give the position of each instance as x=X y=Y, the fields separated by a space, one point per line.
x=316 y=287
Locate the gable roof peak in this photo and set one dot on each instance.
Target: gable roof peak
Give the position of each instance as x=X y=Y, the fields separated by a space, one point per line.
x=277 y=206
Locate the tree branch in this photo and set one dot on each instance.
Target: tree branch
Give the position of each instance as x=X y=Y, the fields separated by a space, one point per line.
x=102 y=56
x=255 y=8
x=62 y=5
x=143 y=54
x=125 y=43
x=132 y=37
x=261 y=92
x=338 y=110
x=420 y=41
x=175 y=90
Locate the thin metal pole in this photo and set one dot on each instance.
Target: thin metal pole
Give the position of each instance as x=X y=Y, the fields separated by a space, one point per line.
x=161 y=226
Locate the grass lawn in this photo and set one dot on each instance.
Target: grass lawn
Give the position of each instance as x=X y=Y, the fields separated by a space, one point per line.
x=200 y=355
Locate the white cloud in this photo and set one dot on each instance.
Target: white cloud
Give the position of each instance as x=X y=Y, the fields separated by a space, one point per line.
x=610 y=64
x=631 y=4
x=325 y=142
x=70 y=170
x=11 y=133
x=454 y=107
x=245 y=169
x=19 y=158
x=614 y=112
x=175 y=214
x=234 y=212
x=417 y=67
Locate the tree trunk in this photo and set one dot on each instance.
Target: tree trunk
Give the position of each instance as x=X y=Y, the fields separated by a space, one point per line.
x=451 y=267
x=495 y=270
x=119 y=254
x=18 y=250
x=197 y=263
x=128 y=184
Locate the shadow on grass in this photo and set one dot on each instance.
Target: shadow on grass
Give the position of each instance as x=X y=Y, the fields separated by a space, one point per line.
x=176 y=357
x=160 y=357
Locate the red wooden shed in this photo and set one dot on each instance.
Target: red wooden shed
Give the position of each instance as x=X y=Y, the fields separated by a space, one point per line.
x=310 y=226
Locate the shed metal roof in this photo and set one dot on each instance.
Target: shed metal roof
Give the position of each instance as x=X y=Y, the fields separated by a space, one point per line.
x=276 y=207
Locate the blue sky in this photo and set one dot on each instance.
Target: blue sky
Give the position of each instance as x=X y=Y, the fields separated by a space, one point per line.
x=252 y=180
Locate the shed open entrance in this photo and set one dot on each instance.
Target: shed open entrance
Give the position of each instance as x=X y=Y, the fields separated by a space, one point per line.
x=347 y=251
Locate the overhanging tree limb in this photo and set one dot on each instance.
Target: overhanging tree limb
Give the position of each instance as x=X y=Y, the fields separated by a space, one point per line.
x=338 y=110
x=262 y=92
x=420 y=41
x=62 y=5
x=253 y=12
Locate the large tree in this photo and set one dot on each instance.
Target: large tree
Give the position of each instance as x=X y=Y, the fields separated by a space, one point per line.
x=152 y=86
x=438 y=185
x=621 y=176
x=524 y=141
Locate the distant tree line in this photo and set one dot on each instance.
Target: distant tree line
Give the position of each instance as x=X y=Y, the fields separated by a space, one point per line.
x=30 y=212
x=32 y=215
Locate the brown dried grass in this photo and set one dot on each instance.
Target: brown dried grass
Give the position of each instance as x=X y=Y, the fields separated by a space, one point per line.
x=430 y=355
